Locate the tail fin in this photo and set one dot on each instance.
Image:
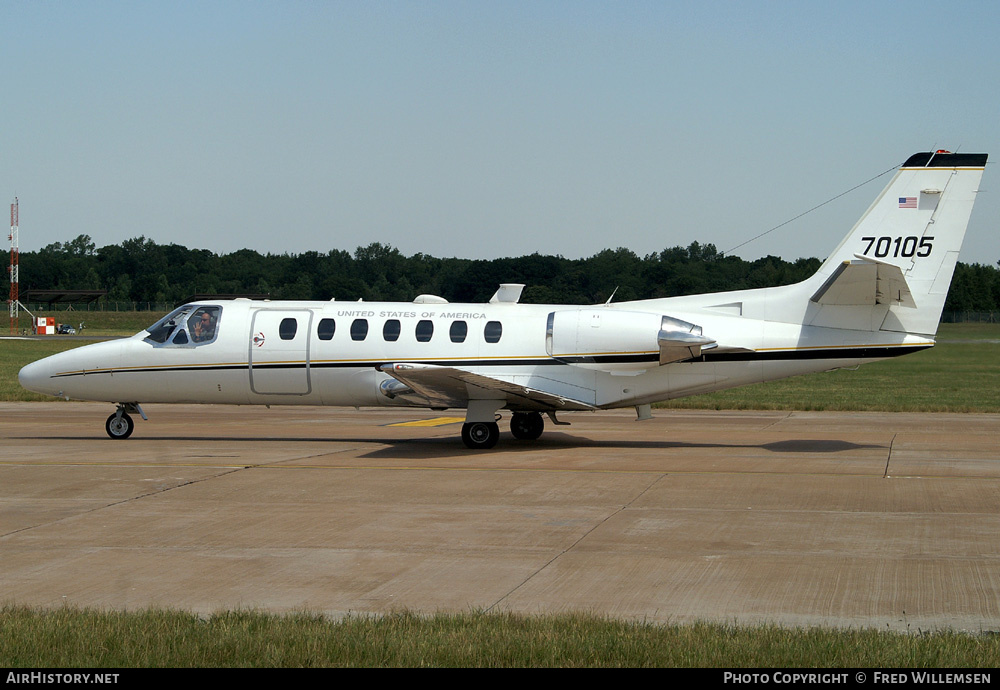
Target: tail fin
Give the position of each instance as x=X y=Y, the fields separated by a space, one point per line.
x=902 y=253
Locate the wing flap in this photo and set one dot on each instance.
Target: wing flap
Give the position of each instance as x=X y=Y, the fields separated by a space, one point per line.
x=440 y=386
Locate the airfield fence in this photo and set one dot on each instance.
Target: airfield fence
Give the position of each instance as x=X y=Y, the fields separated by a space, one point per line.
x=970 y=317
x=101 y=306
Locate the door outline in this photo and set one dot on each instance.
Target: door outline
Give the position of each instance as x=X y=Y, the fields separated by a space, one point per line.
x=276 y=379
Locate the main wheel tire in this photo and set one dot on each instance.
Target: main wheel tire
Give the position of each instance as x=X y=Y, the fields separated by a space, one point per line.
x=119 y=427
x=480 y=435
x=526 y=426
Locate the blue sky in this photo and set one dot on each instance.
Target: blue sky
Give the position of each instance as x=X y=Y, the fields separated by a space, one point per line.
x=485 y=129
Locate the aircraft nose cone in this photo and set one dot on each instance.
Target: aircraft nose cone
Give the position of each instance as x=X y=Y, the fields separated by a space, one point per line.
x=35 y=377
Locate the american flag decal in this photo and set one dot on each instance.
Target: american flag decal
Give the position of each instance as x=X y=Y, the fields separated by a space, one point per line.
x=907 y=202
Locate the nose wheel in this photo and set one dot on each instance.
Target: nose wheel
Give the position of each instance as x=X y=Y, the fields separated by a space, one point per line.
x=119 y=425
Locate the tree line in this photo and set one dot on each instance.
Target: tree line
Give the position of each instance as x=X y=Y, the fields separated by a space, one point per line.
x=140 y=270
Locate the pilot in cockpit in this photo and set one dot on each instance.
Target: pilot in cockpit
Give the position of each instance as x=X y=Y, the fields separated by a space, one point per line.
x=204 y=326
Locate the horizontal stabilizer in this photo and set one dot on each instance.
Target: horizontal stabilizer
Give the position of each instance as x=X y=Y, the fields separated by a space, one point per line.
x=865 y=282
x=676 y=346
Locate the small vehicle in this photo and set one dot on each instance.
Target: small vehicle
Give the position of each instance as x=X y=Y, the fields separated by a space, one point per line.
x=65 y=329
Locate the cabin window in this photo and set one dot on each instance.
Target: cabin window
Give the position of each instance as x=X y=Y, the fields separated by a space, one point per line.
x=425 y=329
x=359 y=329
x=493 y=331
x=390 y=331
x=326 y=329
x=458 y=331
x=287 y=328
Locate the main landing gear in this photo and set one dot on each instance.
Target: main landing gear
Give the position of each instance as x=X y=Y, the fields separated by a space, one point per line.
x=120 y=425
x=480 y=435
x=525 y=426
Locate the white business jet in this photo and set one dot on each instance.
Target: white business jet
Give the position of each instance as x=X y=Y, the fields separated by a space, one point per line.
x=878 y=295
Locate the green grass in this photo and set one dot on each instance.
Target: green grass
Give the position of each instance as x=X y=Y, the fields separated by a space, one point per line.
x=14 y=354
x=959 y=374
x=68 y=638
x=98 y=322
x=970 y=331
x=951 y=377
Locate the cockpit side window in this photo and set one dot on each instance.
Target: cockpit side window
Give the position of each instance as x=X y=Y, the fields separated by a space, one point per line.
x=161 y=331
x=188 y=326
x=203 y=324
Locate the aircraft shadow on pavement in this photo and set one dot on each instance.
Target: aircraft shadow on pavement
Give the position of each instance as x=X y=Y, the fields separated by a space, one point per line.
x=556 y=441
x=453 y=446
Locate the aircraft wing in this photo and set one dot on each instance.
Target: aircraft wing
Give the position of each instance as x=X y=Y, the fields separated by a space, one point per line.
x=440 y=386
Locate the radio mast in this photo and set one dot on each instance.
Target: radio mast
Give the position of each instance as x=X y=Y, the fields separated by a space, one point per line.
x=15 y=258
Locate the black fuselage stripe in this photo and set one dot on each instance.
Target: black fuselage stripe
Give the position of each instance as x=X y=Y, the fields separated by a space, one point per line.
x=839 y=353
x=709 y=357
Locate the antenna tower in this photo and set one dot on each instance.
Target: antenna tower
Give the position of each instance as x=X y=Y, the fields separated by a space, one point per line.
x=14 y=301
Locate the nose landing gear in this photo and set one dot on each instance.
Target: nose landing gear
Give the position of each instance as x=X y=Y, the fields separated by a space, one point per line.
x=120 y=425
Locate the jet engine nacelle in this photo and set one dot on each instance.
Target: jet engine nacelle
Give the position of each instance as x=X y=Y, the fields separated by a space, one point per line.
x=616 y=340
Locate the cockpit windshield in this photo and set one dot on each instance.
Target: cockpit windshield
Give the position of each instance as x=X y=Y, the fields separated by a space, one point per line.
x=189 y=325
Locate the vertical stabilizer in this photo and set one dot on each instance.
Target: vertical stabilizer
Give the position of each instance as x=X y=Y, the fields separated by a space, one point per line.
x=901 y=255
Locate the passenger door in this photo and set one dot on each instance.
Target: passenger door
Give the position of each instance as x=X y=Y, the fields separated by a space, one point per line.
x=279 y=352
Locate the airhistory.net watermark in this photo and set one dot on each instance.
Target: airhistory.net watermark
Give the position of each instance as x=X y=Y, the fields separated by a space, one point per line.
x=43 y=678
